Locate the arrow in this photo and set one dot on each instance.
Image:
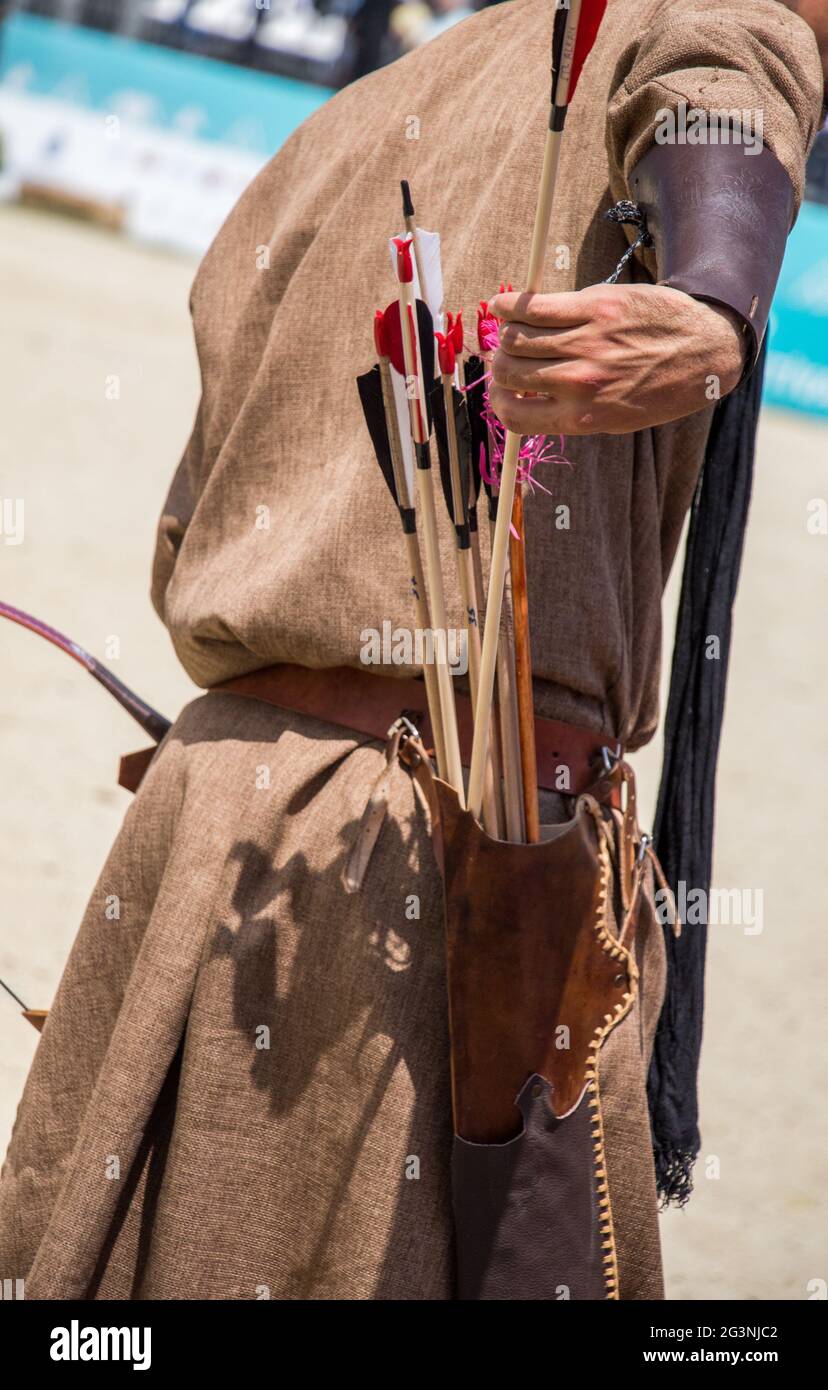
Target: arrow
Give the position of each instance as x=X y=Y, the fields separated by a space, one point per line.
x=474 y=481
x=505 y=730
x=376 y=394
x=454 y=474
x=412 y=365
x=523 y=671
x=413 y=231
x=574 y=32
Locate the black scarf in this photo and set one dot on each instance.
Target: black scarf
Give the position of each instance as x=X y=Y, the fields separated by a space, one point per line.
x=683 y=831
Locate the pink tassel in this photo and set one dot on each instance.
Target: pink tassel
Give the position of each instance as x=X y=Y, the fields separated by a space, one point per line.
x=534 y=450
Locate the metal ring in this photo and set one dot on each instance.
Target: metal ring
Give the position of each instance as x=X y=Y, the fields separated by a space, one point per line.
x=610 y=759
x=403 y=725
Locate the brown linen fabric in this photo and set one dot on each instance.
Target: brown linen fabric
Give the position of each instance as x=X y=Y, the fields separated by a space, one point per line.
x=283 y=306
x=288 y=1168
x=158 y=1151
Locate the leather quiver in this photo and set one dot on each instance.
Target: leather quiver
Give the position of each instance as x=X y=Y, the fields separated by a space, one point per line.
x=540 y=968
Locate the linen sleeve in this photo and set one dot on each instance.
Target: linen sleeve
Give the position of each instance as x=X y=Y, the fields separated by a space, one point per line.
x=747 y=55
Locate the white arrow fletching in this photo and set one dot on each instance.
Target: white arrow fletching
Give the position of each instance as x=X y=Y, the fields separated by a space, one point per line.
x=404 y=424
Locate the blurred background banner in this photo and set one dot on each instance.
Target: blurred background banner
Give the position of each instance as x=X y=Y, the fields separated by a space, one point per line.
x=152 y=141
x=797 y=371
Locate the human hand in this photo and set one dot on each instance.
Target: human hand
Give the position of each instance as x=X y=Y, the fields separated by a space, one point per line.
x=610 y=359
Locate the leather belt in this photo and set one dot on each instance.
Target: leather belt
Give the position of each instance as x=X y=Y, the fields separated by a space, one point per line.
x=368 y=703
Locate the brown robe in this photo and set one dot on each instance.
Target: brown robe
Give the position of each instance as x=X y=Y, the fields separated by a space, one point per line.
x=242 y=1065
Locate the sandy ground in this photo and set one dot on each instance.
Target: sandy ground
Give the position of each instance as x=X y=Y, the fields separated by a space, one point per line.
x=82 y=306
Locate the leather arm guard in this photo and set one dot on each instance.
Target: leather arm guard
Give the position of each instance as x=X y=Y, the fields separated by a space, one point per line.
x=719 y=220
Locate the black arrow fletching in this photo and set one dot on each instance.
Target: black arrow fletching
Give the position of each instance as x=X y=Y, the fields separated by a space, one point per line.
x=475 y=371
x=369 y=386
x=425 y=328
x=558 y=35
x=461 y=425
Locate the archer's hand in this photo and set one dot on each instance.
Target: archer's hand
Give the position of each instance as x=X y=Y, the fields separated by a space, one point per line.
x=610 y=359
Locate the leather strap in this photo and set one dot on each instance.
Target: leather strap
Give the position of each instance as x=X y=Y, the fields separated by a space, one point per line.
x=369 y=703
x=133 y=768
x=720 y=219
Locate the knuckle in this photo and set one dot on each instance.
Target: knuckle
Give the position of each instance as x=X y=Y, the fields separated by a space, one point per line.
x=583 y=423
x=502 y=304
x=586 y=378
x=608 y=307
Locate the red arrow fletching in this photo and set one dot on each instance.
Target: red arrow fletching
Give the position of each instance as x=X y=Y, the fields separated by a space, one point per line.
x=589 y=22
x=405 y=265
x=379 y=334
x=392 y=336
x=446 y=353
x=484 y=326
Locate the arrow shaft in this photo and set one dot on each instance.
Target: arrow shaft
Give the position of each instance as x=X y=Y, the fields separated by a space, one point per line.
x=479 y=581
x=543 y=211
x=428 y=512
x=491 y=810
x=523 y=672
x=491 y=637
x=458 y=501
x=438 y=612
x=415 y=563
x=423 y=619
x=492 y=818
x=496 y=743
x=509 y=727
x=508 y=475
